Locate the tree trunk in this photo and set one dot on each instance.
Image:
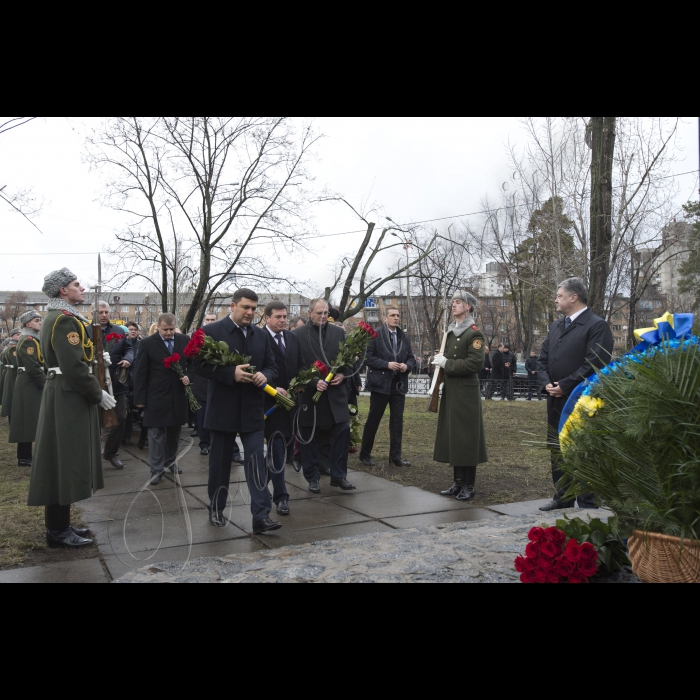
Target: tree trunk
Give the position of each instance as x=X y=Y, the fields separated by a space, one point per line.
x=602 y=141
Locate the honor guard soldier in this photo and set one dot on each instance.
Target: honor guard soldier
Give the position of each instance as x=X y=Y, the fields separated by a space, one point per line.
x=3 y=347
x=68 y=461
x=461 y=439
x=29 y=388
x=9 y=361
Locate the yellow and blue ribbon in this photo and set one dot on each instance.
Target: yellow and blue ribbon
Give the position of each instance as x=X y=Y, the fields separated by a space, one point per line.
x=670 y=329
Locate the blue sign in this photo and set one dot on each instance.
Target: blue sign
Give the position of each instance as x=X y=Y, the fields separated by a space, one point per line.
x=370 y=304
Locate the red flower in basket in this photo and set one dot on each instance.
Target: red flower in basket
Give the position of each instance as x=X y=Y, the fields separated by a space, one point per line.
x=322 y=369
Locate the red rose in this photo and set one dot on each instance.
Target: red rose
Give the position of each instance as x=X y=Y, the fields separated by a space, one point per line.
x=576 y=580
x=533 y=551
x=536 y=534
x=526 y=578
x=321 y=368
x=573 y=552
x=549 y=550
x=530 y=565
x=195 y=346
x=565 y=569
x=545 y=564
x=520 y=565
x=555 y=535
x=553 y=578
x=541 y=576
x=588 y=569
x=374 y=334
x=588 y=552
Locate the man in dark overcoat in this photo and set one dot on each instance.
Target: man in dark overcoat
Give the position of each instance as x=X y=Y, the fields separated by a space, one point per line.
x=390 y=362
x=461 y=437
x=161 y=393
x=329 y=419
x=67 y=465
x=26 y=402
x=577 y=345
x=121 y=358
x=236 y=405
x=9 y=360
x=279 y=428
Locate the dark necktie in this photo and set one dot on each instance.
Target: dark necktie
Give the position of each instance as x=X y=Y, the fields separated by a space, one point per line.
x=568 y=324
x=170 y=345
x=395 y=344
x=280 y=342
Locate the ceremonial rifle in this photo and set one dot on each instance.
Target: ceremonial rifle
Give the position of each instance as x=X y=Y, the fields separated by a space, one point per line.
x=438 y=380
x=108 y=419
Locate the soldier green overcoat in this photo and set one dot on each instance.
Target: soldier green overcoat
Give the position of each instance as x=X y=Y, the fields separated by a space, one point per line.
x=67 y=465
x=2 y=375
x=461 y=439
x=9 y=357
x=29 y=388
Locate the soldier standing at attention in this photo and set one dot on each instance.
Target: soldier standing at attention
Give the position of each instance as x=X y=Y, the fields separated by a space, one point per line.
x=29 y=387
x=9 y=362
x=461 y=438
x=68 y=461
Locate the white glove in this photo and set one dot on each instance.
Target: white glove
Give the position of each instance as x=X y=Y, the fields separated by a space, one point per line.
x=108 y=401
x=107 y=359
x=440 y=361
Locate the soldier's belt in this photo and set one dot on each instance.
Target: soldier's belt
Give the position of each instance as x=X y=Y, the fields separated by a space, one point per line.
x=9 y=366
x=21 y=370
x=56 y=372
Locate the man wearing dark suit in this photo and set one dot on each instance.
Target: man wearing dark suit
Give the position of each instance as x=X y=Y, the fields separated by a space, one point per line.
x=485 y=373
x=390 y=361
x=330 y=417
x=279 y=427
x=236 y=405
x=576 y=346
x=161 y=393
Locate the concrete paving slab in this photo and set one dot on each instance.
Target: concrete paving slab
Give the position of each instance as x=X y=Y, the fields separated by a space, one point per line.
x=468 y=515
x=83 y=571
x=306 y=515
x=117 y=483
x=119 y=566
x=524 y=508
x=103 y=508
x=287 y=537
x=395 y=503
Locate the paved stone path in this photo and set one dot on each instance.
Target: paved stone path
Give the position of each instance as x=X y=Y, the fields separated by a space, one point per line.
x=136 y=527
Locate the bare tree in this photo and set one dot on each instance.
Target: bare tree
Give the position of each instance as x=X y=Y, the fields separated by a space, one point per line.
x=15 y=306
x=356 y=275
x=202 y=193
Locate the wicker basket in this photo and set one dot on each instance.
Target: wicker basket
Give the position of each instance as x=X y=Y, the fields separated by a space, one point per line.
x=660 y=558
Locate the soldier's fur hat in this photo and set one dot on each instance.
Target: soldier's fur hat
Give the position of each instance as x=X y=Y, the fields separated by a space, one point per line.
x=56 y=281
x=16 y=331
x=24 y=319
x=466 y=297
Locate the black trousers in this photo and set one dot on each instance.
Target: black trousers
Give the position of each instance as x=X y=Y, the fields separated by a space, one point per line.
x=116 y=435
x=534 y=387
x=555 y=408
x=339 y=438
x=57 y=518
x=24 y=451
x=378 y=405
x=202 y=432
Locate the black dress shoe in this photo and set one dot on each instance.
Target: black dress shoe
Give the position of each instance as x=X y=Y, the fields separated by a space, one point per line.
x=25 y=463
x=456 y=488
x=85 y=534
x=264 y=526
x=238 y=459
x=315 y=487
x=283 y=507
x=117 y=463
x=297 y=467
x=142 y=445
x=66 y=539
x=343 y=485
x=466 y=493
x=368 y=462
x=217 y=519
x=401 y=463
x=127 y=443
x=156 y=478
x=324 y=471
x=204 y=452
x=194 y=434
x=555 y=505
x=175 y=470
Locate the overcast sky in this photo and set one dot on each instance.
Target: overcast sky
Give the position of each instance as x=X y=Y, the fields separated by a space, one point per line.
x=418 y=168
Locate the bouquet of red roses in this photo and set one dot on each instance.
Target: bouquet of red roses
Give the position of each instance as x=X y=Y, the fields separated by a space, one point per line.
x=209 y=352
x=302 y=380
x=553 y=558
x=173 y=362
x=355 y=346
x=111 y=341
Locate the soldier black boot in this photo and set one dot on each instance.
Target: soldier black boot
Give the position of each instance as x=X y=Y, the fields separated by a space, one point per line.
x=468 y=491
x=456 y=487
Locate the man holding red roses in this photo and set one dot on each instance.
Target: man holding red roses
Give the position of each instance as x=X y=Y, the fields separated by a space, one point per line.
x=162 y=394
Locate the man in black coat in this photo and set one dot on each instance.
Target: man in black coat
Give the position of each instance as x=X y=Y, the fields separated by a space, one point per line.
x=279 y=429
x=121 y=357
x=390 y=361
x=132 y=413
x=504 y=368
x=485 y=373
x=236 y=405
x=576 y=347
x=330 y=417
x=532 y=367
x=161 y=393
